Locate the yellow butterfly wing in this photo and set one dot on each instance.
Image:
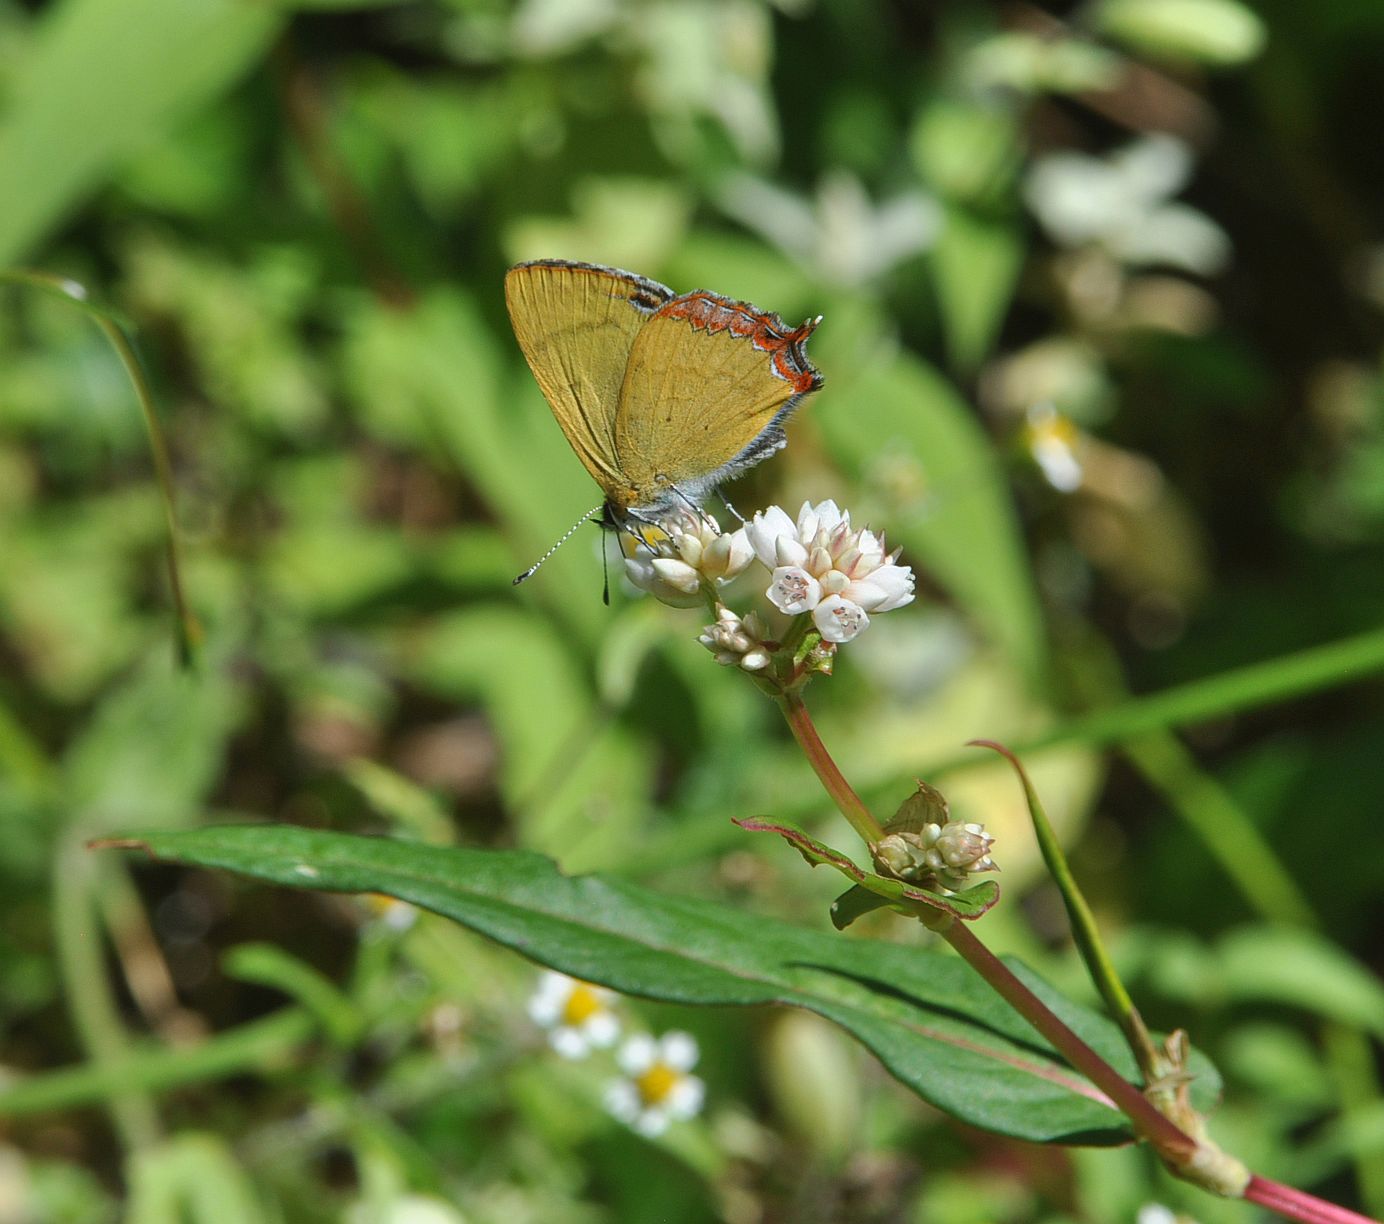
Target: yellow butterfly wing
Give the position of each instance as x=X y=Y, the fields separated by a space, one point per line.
x=576 y=323
x=708 y=385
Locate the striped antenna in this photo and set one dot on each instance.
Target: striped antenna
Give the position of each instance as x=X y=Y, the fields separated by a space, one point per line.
x=566 y=535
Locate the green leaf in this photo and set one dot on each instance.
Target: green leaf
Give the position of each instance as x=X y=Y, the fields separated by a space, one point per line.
x=931 y=1021
x=106 y=78
x=1220 y=33
x=1297 y=967
x=153 y=748
x=975 y=263
x=574 y=779
x=855 y=903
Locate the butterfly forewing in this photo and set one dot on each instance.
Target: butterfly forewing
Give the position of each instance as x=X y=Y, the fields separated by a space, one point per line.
x=576 y=324
x=708 y=383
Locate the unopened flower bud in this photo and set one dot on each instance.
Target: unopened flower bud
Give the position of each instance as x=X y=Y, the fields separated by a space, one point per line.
x=936 y=855
x=685 y=555
x=737 y=642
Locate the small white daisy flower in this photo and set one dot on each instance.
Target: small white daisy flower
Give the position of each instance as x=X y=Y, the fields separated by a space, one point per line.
x=393 y=914
x=1055 y=443
x=821 y=565
x=691 y=551
x=576 y=1014
x=658 y=1089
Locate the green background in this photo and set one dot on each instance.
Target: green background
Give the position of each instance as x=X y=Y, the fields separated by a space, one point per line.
x=301 y=214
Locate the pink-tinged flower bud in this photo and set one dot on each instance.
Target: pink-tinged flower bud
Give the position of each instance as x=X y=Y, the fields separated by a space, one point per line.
x=940 y=854
x=736 y=642
x=677 y=574
x=965 y=847
x=688 y=554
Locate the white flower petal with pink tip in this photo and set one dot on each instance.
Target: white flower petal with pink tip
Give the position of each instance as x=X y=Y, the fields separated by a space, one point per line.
x=887 y=588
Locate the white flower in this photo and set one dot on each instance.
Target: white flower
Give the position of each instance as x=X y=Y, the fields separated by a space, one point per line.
x=1053 y=441
x=576 y=1014
x=658 y=1089
x=820 y=565
x=1122 y=202
x=736 y=642
x=690 y=551
x=842 y=234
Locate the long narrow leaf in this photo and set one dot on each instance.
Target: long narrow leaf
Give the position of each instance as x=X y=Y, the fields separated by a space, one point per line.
x=930 y=1020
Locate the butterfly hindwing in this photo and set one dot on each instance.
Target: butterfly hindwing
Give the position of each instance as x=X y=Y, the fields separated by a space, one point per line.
x=707 y=385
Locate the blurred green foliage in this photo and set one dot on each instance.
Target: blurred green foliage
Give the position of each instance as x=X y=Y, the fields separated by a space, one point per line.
x=302 y=214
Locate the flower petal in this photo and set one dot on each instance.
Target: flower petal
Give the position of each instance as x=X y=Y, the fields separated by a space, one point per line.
x=765 y=529
x=679 y=1050
x=887 y=588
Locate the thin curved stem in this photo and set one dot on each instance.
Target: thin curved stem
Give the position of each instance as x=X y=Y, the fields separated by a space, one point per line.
x=1298 y=1205
x=851 y=805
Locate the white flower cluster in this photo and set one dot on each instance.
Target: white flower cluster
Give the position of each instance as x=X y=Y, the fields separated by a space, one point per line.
x=692 y=552
x=737 y=641
x=945 y=854
x=818 y=564
x=1124 y=203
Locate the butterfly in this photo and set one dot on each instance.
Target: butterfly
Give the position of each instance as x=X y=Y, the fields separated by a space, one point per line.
x=661 y=395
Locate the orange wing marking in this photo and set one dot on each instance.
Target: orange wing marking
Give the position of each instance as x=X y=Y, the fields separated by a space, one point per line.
x=767 y=332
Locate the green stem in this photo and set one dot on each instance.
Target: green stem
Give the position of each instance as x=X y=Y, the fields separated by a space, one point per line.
x=251 y=1047
x=1084 y=929
x=851 y=805
x=95 y=1015
x=1233 y=839
x=189 y=630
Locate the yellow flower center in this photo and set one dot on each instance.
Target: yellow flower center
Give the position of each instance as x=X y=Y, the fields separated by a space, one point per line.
x=657 y=1082
x=581 y=1005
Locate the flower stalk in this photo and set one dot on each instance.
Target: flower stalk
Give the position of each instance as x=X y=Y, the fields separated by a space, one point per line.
x=833 y=781
x=828 y=578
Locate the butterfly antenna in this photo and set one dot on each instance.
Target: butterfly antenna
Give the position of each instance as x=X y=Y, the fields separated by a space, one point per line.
x=605 y=573
x=566 y=535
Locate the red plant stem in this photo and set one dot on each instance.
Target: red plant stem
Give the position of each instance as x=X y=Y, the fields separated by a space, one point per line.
x=1165 y=1136
x=1172 y=1143
x=833 y=781
x=1296 y=1205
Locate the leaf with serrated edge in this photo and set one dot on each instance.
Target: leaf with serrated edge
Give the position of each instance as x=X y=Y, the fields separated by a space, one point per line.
x=932 y=1022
